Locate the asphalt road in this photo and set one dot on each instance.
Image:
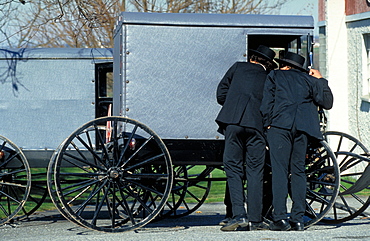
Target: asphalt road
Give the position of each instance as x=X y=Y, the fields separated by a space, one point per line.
x=201 y=225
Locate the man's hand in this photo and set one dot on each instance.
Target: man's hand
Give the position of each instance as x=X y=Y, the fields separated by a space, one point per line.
x=315 y=73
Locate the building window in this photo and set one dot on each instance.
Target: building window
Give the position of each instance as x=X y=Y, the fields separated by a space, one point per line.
x=366 y=69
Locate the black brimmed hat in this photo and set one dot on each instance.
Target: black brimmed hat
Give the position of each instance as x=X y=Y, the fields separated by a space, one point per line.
x=294 y=60
x=264 y=52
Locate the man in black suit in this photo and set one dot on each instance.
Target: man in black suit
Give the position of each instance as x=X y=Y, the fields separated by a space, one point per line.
x=240 y=94
x=289 y=107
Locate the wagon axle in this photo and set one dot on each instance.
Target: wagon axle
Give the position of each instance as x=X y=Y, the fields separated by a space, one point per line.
x=114 y=173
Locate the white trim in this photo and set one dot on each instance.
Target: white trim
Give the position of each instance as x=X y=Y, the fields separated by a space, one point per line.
x=358 y=17
x=321 y=23
x=365 y=98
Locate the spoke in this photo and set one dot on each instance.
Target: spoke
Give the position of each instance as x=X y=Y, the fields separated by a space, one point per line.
x=9 y=159
x=353 y=164
x=81 y=160
x=4 y=210
x=3 y=145
x=144 y=162
x=311 y=210
x=115 y=138
x=137 y=198
x=346 y=205
x=191 y=194
x=80 y=167
x=322 y=183
x=125 y=206
x=98 y=209
x=353 y=147
x=140 y=176
x=86 y=185
x=137 y=151
x=78 y=150
x=101 y=139
x=91 y=151
x=13 y=172
x=335 y=212
x=120 y=160
x=186 y=205
x=83 y=205
x=90 y=174
x=355 y=174
x=13 y=184
x=10 y=197
x=114 y=210
x=339 y=143
x=199 y=186
x=318 y=197
x=147 y=188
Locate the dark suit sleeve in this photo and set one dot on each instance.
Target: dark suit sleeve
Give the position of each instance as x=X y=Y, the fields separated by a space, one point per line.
x=268 y=100
x=224 y=85
x=322 y=94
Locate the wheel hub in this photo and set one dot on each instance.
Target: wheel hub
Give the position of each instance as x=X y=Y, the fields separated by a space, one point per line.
x=114 y=173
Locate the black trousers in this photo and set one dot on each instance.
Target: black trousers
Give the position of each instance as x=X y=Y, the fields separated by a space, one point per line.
x=244 y=156
x=287 y=153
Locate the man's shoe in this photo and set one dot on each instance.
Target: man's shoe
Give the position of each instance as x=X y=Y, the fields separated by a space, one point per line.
x=297 y=226
x=235 y=223
x=225 y=221
x=282 y=225
x=258 y=226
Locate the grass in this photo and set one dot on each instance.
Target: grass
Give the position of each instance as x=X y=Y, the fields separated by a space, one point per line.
x=216 y=193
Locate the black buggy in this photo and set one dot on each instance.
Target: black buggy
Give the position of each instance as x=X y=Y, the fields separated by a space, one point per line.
x=151 y=151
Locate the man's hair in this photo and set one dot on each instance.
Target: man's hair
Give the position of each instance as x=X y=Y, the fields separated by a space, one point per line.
x=267 y=63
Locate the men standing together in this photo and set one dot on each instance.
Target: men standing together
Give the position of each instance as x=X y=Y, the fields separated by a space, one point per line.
x=240 y=94
x=257 y=100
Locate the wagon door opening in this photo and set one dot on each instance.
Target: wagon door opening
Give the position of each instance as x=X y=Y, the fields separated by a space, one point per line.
x=299 y=44
x=103 y=88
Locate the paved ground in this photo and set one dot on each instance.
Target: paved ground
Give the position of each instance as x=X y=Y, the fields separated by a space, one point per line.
x=202 y=225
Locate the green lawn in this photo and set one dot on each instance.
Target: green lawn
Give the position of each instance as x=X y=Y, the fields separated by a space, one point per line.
x=216 y=193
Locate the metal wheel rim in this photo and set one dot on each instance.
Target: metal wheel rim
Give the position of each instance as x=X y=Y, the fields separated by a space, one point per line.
x=52 y=190
x=186 y=199
x=323 y=178
x=130 y=191
x=36 y=197
x=352 y=157
x=15 y=180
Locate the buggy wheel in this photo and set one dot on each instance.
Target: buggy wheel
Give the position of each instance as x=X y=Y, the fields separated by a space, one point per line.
x=322 y=182
x=354 y=165
x=342 y=142
x=113 y=174
x=190 y=190
x=15 y=180
x=52 y=189
x=322 y=176
x=36 y=197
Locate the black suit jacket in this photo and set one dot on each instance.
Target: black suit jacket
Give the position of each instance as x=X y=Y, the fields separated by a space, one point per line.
x=291 y=98
x=240 y=94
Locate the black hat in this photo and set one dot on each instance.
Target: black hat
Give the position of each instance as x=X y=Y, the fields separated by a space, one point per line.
x=294 y=60
x=265 y=52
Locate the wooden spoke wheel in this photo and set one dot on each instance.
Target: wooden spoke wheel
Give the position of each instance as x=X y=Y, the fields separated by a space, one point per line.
x=52 y=188
x=112 y=174
x=189 y=191
x=342 y=142
x=322 y=182
x=15 y=180
x=354 y=165
x=36 y=197
x=322 y=175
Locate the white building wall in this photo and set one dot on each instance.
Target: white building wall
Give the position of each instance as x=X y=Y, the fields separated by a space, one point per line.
x=336 y=61
x=358 y=26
